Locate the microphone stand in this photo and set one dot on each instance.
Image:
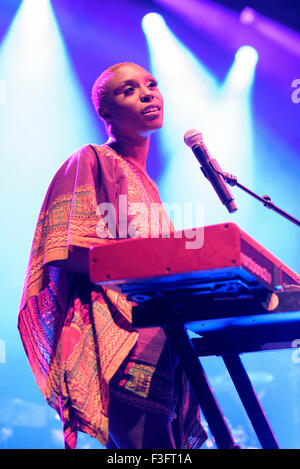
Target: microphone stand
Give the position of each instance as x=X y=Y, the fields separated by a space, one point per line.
x=265 y=200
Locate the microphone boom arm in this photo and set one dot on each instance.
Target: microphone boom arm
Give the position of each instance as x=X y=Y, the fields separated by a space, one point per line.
x=265 y=200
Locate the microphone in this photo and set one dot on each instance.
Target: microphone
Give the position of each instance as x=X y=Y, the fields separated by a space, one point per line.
x=210 y=168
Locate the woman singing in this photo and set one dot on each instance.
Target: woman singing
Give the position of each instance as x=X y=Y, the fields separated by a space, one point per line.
x=121 y=385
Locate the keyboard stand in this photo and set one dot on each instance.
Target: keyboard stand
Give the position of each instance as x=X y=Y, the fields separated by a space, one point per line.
x=191 y=363
x=199 y=383
x=250 y=401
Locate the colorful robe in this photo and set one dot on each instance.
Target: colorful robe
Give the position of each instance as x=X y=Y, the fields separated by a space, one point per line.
x=75 y=334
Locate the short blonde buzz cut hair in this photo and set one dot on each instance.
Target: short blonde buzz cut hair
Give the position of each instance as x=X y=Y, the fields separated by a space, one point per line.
x=100 y=88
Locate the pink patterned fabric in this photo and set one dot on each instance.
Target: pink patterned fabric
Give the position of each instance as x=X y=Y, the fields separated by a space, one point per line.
x=75 y=334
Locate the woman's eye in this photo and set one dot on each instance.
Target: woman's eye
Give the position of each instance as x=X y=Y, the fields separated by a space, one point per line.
x=129 y=90
x=153 y=84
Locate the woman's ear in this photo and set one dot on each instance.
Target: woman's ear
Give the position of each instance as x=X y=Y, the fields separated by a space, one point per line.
x=104 y=113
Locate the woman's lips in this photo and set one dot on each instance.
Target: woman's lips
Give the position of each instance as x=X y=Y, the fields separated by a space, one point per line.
x=153 y=108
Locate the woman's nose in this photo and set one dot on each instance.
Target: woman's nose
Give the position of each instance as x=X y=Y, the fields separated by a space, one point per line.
x=147 y=95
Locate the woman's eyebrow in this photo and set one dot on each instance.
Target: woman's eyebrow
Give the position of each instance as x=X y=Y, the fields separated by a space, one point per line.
x=131 y=81
x=120 y=87
x=151 y=78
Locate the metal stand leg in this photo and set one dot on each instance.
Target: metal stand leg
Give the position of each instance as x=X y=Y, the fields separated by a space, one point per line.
x=250 y=401
x=201 y=387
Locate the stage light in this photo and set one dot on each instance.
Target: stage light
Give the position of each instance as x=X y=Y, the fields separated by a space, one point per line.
x=152 y=22
x=247 y=56
x=241 y=75
x=43 y=101
x=247 y=15
x=272 y=30
x=236 y=103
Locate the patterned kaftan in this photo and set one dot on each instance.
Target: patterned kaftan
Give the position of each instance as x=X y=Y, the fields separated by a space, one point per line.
x=77 y=335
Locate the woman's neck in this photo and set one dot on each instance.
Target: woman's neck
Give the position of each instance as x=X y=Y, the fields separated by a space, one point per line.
x=134 y=149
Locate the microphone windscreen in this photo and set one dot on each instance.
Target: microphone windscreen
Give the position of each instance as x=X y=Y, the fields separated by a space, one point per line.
x=193 y=137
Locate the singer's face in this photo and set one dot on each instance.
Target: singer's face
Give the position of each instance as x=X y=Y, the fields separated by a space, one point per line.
x=135 y=104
